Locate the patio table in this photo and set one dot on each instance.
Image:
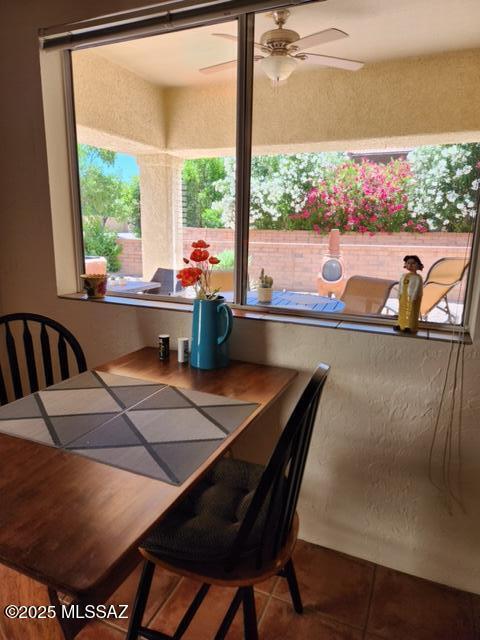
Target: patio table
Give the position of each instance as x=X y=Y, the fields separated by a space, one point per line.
x=297 y=300
x=73 y=513
x=132 y=286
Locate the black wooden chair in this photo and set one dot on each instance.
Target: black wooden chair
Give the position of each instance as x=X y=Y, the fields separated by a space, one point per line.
x=236 y=528
x=16 y=335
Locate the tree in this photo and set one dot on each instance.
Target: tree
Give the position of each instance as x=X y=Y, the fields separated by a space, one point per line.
x=104 y=196
x=132 y=197
x=445 y=186
x=99 y=241
x=199 y=179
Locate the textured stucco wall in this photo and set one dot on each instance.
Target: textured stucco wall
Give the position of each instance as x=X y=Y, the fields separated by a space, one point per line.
x=366 y=490
x=409 y=101
x=328 y=109
x=113 y=104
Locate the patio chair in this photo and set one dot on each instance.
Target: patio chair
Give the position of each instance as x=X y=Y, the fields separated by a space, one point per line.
x=168 y=281
x=366 y=295
x=19 y=339
x=442 y=276
x=236 y=528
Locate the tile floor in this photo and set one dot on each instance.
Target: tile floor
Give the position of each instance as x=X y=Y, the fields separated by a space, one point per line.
x=345 y=599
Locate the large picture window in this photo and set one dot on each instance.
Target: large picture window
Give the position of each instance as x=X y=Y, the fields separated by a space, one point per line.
x=335 y=199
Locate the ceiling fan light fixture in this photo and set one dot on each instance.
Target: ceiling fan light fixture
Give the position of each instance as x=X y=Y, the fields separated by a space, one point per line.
x=278 y=68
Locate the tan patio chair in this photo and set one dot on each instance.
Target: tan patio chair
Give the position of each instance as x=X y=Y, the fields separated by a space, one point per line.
x=442 y=276
x=366 y=295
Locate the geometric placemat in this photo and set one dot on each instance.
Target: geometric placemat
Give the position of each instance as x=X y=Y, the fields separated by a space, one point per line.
x=154 y=430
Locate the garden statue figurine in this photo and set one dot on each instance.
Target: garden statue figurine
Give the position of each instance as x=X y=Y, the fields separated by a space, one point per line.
x=410 y=291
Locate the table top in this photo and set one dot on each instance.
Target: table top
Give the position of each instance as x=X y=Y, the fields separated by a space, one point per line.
x=157 y=430
x=298 y=300
x=74 y=523
x=132 y=286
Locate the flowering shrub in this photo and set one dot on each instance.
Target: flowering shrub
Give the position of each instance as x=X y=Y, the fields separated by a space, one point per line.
x=445 y=185
x=198 y=272
x=277 y=187
x=434 y=189
x=366 y=198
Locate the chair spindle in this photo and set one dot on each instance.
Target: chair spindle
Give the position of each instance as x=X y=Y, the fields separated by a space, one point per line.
x=63 y=357
x=30 y=358
x=46 y=356
x=13 y=362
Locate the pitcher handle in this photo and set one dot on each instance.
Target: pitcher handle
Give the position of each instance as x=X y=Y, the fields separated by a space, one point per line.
x=224 y=307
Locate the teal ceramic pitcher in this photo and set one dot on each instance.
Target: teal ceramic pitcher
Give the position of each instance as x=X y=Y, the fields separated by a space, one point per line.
x=211 y=328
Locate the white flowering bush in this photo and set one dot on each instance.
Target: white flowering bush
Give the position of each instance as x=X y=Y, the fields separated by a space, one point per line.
x=445 y=185
x=279 y=187
x=440 y=193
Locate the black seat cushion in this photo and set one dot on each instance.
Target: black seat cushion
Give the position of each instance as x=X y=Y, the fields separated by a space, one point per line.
x=203 y=527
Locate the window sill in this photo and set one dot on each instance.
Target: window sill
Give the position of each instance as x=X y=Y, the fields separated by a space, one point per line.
x=426 y=333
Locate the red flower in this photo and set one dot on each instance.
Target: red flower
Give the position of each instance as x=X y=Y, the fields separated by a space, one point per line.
x=213 y=260
x=189 y=276
x=199 y=255
x=200 y=244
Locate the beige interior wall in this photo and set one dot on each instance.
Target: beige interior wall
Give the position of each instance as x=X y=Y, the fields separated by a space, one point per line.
x=366 y=489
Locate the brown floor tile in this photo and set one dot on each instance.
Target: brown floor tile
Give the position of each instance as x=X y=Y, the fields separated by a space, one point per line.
x=210 y=615
x=407 y=607
x=267 y=586
x=331 y=582
x=100 y=631
x=280 y=622
x=476 y=612
x=162 y=585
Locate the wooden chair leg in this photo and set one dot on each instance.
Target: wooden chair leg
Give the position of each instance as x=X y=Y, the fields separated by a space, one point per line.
x=249 y=614
x=290 y=575
x=229 y=616
x=140 y=600
x=191 y=611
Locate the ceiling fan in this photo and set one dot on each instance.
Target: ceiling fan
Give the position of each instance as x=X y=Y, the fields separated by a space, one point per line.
x=283 y=49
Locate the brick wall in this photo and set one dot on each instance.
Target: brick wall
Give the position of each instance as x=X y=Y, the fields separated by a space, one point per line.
x=293 y=258
x=131 y=256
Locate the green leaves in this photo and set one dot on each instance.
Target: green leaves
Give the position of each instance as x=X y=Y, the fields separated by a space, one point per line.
x=104 y=197
x=99 y=241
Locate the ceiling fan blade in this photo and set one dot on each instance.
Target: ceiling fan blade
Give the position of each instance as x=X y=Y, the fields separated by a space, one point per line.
x=214 y=68
x=337 y=63
x=322 y=37
x=234 y=38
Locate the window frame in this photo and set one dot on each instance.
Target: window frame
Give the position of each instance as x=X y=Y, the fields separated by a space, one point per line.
x=245 y=13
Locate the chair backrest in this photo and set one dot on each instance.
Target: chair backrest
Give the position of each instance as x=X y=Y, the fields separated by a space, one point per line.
x=17 y=338
x=364 y=294
x=447 y=271
x=167 y=278
x=279 y=487
x=442 y=276
x=433 y=293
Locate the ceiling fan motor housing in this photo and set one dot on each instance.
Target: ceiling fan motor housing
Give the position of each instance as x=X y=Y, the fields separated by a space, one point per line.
x=278 y=39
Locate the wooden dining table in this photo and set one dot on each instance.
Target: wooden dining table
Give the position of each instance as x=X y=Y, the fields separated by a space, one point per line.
x=71 y=525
